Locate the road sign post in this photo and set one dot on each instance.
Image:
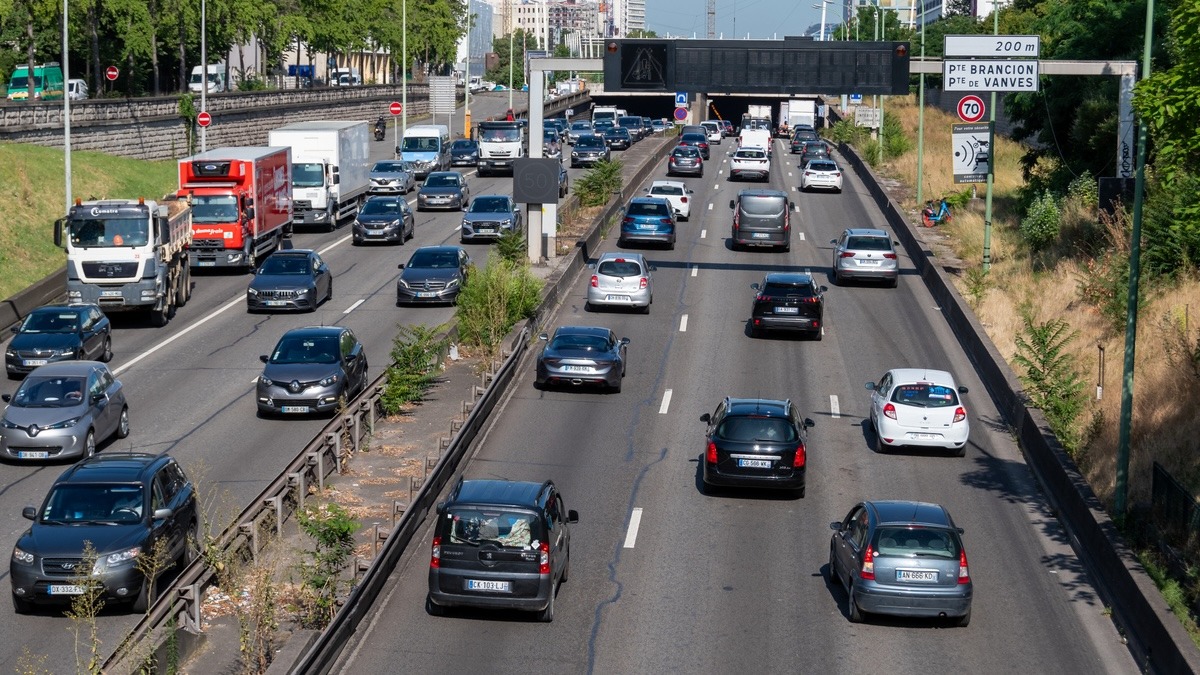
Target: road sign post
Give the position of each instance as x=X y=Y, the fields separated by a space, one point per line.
x=970 y=108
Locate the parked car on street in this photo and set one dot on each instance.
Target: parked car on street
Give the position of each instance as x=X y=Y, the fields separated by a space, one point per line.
x=317 y=369
x=579 y=355
x=58 y=333
x=63 y=410
x=433 y=274
x=290 y=279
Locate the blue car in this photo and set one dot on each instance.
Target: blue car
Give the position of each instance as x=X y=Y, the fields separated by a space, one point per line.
x=649 y=220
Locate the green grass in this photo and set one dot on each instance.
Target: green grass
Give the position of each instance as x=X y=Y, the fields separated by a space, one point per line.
x=31 y=199
x=1176 y=594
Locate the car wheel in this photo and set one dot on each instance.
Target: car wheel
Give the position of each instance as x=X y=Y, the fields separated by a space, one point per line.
x=856 y=614
x=106 y=352
x=21 y=606
x=818 y=335
x=432 y=608
x=193 y=544
x=646 y=309
x=800 y=492
x=123 y=423
x=756 y=332
x=562 y=579
x=893 y=281
x=837 y=278
x=616 y=388
x=880 y=448
x=89 y=444
x=588 y=306
x=961 y=452
x=833 y=575
x=964 y=620
x=547 y=615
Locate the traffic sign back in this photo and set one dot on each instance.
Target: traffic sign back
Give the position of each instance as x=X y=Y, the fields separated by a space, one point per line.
x=970 y=108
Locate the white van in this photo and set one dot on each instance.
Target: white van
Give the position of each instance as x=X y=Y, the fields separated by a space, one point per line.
x=427 y=146
x=345 y=77
x=216 y=79
x=77 y=90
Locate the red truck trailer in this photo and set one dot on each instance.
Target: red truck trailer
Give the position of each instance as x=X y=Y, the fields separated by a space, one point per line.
x=241 y=204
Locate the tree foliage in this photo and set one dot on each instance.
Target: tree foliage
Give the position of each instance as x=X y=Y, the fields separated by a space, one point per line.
x=1169 y=100
x=521 y=41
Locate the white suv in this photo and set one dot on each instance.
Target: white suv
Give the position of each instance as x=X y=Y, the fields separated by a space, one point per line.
x=675 y=192
x=750 y=162
x=621 y=279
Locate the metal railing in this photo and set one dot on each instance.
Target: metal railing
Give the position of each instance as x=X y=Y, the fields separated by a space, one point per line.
x=1175 y=512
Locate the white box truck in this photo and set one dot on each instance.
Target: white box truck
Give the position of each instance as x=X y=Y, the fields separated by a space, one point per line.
x=331 y=169
x=801 y=112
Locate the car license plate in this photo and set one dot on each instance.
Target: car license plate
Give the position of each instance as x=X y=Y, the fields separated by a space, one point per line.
x=34 y=454
x=576 y=369
x=787 y=310
x=206 y=263
x=870 y=263
x=754 y=463
x=274 y=303
x=29 y=363
x=926 y=437
x=611 y=298
x=426 y=294
x=110 y=294
x=646 y=226
x=917 y=575
x=66 y=589
x=761 y=235
x=487 y=230
x=485 y=585
x=294 y=408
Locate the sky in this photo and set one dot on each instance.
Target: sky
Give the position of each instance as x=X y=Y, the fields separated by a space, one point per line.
x=763 y=19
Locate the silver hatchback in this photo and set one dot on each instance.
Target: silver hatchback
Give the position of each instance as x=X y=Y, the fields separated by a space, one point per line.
x=63 y=410
x=865 y=254
x=621 y=280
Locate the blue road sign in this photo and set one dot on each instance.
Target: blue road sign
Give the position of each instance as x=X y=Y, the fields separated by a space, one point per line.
x=855 y=99
x=681 y=99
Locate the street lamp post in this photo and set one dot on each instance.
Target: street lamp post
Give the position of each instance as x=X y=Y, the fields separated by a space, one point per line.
x=204 y=71
x=403 y=67
x=510 y=63
x=921 y=120
x=824 y=6
x=467 y=81
x=66 y=109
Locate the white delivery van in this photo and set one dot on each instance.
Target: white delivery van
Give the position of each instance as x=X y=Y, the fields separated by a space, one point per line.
x=216 y=79
x=427 y=146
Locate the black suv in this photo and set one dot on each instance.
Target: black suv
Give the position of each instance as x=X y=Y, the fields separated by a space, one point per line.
x=755 y=442
x=500 y=544
x=58 y=333
x=789 y=301
x=120 y=504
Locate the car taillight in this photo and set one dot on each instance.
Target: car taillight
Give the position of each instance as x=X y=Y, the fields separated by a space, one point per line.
x=704 y=146
x=809 y=173
x=710 y=455
x=595 y=281
x=435 y=557
x=760 y=298
x=960 y=414
x=889 y=410
x=847 y=254
x=801 y=455
x=868 y=565
x=837 y=174
x=683 y=201
x=964 y=576
x=627 y=220
x=890 y=256
x=643 y=282
x=665 y=221
x=544 y=563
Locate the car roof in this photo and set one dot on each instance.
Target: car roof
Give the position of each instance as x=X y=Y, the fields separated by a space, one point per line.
x=749 y=147
x=620 y=255
x=789 y=278
x=761 y=192
x=910 y=512
x=866 y=232
x=66 y=369
x=116 y=467
x=667 y=183
x=62 y=308
x=757 y=406
x=315 y=331
x=443 y=173
x=595 y=331
x=903 y=375
x=296 y=252
x=649 y=200
x=499 y=492
x=439 y=248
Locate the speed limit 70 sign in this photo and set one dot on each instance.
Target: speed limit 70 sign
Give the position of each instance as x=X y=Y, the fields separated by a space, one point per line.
x=970 y=108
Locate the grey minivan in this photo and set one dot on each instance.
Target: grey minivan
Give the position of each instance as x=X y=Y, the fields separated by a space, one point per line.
x=762 y=217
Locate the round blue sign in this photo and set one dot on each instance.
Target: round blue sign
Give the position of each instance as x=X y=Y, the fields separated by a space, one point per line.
x=681 y=114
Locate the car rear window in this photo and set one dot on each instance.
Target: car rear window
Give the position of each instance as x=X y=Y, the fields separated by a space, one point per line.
x=763 y=206
x=500 y=527
x=756 y=428
x=644 y=209
x=784 y=290
x=822 y=166
x=815 y=147
x=693 y=138
x=916 y=541
x=925 y=395
x=620 y=268
x=869 y=244
x=685 y=151
x=666 y=190
x=750 y=154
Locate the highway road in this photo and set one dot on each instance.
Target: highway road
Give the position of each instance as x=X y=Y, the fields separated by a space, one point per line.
x=738 y=582
x=191 y=387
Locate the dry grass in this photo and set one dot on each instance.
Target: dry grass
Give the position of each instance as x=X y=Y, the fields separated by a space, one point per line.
x=1164 y=426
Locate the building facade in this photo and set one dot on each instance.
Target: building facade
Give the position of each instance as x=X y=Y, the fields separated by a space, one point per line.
x=478 y=41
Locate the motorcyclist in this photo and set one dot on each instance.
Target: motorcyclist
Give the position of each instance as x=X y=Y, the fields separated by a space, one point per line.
x=380 y=128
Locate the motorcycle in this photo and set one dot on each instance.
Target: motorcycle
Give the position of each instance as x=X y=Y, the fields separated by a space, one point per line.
x=380 y=129
x=931 y=216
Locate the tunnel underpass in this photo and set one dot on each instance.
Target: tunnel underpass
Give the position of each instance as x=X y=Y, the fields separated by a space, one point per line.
x=729 y=107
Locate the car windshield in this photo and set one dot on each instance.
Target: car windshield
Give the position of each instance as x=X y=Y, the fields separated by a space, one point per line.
x=490 y=205
x=463 y=146
x=763 y=206
x=433 y=260
x=757 y=428
x=869 y=244
x=420 y=144
x=310 y=174
x=441 y=181
x=925 y=395
x=617 y=131
x=587 y=343
x=916 y=541
x=81 y=503
x=674 y=190
x=590 y=142
x=380 y=207
x=581 y=126
x=619 y=268
x=477 y=526
x=306 y=350
x=750 y=154
x=389 y=167
x=500 y=135
x=51 y=321
x=112 y=232
x=285 y=265
x=49 y=392
x=648 y=209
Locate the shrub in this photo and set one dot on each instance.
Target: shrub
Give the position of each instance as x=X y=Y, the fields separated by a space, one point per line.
x=596 y=187
x=414 y=368
x=252 y=83
x=493 y=300
x=1085 y=190
x=511 y=246
x=895 y=141
x=1171 y=227
x=331 y=529
x=1051 y=380
x=846 y=131
x=1041 y=224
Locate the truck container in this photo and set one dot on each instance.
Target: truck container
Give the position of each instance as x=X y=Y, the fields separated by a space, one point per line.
x=755 y=115
x=500 y=143
x=801 y=112
x=331 y=169
x=241 y=204
x=128 y=254
x=427 y=146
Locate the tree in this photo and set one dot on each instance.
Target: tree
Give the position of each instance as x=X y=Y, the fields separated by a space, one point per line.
x=640 y=33
x=958 y=8
x=520 y=42
x=1169 y=100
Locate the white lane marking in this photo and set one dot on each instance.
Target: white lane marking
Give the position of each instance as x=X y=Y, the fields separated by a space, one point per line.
x=695 y=268
x=666 y=403
x=789 y=174
x=710 y=206
x=703 y=233
x=683 y=324
x=718 y=185
x=835 y=411
x=635 y=522
x=353 y=307
x=212 y=315
x=335 y=244
x=801 y=236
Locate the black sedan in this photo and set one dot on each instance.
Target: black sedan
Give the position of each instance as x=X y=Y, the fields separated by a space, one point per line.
x=290 y=279
x=464 y=152
x=618 y=138
x=582 y=355
x=434 y=274
x=443 y=190
x=58 y=333
x=383 y=218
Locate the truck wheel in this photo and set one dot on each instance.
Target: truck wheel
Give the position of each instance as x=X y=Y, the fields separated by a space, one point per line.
x=187 y=284
x=159 y=317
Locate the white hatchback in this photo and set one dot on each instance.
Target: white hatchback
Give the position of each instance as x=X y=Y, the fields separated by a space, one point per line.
x=919 y=407
x=821 y=173
x=750 y=162
x=675 y=192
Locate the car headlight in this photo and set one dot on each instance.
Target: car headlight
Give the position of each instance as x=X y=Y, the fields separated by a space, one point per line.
x=358 y=223
x=22 y=557
x=8 y=425
x=402 y=283
x=9 y=352
x=453 y=282
x=574 y=154
x=117 y=558
x=332 y=379
x=266 y=381
x=65 y=424
x=252 y=291
x=507 y=222
x=394 y=223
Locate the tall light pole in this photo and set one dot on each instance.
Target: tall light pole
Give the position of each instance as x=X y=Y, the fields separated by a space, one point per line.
x=824 y=6
x=403 y=67
x=510 y=61
x=467 y=80
x=204 y=71
x=921 y=119
x=66 y=109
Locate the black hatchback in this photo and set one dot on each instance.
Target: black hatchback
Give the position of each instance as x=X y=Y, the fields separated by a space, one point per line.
x=788 y=301
x=755 y=442
x=500 y=544
x=58 y=333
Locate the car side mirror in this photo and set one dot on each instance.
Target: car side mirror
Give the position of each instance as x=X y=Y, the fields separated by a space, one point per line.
x=264 y=358
x=6 y=397
x=624 y=341
x=824 y=289
x=962 y=390
x=756 y=286
x=871 y=386
x=544 y=338
x=836 y=527
x=691 y=192
x=163 y=514
x=400 y=266
x=732 y=204
x=29 y=512
x=572 y=516
x=895 y=243
x=808 y=423
x=706 y=418
x=833 y=241
x=96 y=398
x=16 y=329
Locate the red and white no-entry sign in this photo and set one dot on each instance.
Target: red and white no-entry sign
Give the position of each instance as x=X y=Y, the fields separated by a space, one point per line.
x=970 y=108
x=111 y=73
x=395 y=108
x=204 y=119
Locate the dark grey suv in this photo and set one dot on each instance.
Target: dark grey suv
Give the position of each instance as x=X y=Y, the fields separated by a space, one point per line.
x=122 y=505
x=500 y=544
x=755 y=442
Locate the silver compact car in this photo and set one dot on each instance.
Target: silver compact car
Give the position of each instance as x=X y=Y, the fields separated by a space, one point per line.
x=392 y=177
x=317 y=369
x=621 y=280
x=290 y=279
x=443 y=190
x=582 y=355
x=867 y=254
x=63 y=410
x=901 y=558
